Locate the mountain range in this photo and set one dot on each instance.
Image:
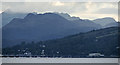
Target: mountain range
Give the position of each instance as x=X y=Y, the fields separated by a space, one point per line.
x=43 y=27
x=8 y=15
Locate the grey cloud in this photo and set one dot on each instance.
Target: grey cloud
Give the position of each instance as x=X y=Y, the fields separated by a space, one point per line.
x=74 y=8
x=44 y=6
x=107 y=11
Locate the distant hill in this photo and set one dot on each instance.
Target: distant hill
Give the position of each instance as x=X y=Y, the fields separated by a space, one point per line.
x=8 y=15
x=112 y=24
x=43 y=27
x=103 y=41
x=106 y=22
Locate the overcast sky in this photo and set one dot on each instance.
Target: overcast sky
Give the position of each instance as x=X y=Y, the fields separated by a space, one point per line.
x=85 y=10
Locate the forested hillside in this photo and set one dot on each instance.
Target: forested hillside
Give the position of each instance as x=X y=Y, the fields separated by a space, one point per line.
x=103 y=41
